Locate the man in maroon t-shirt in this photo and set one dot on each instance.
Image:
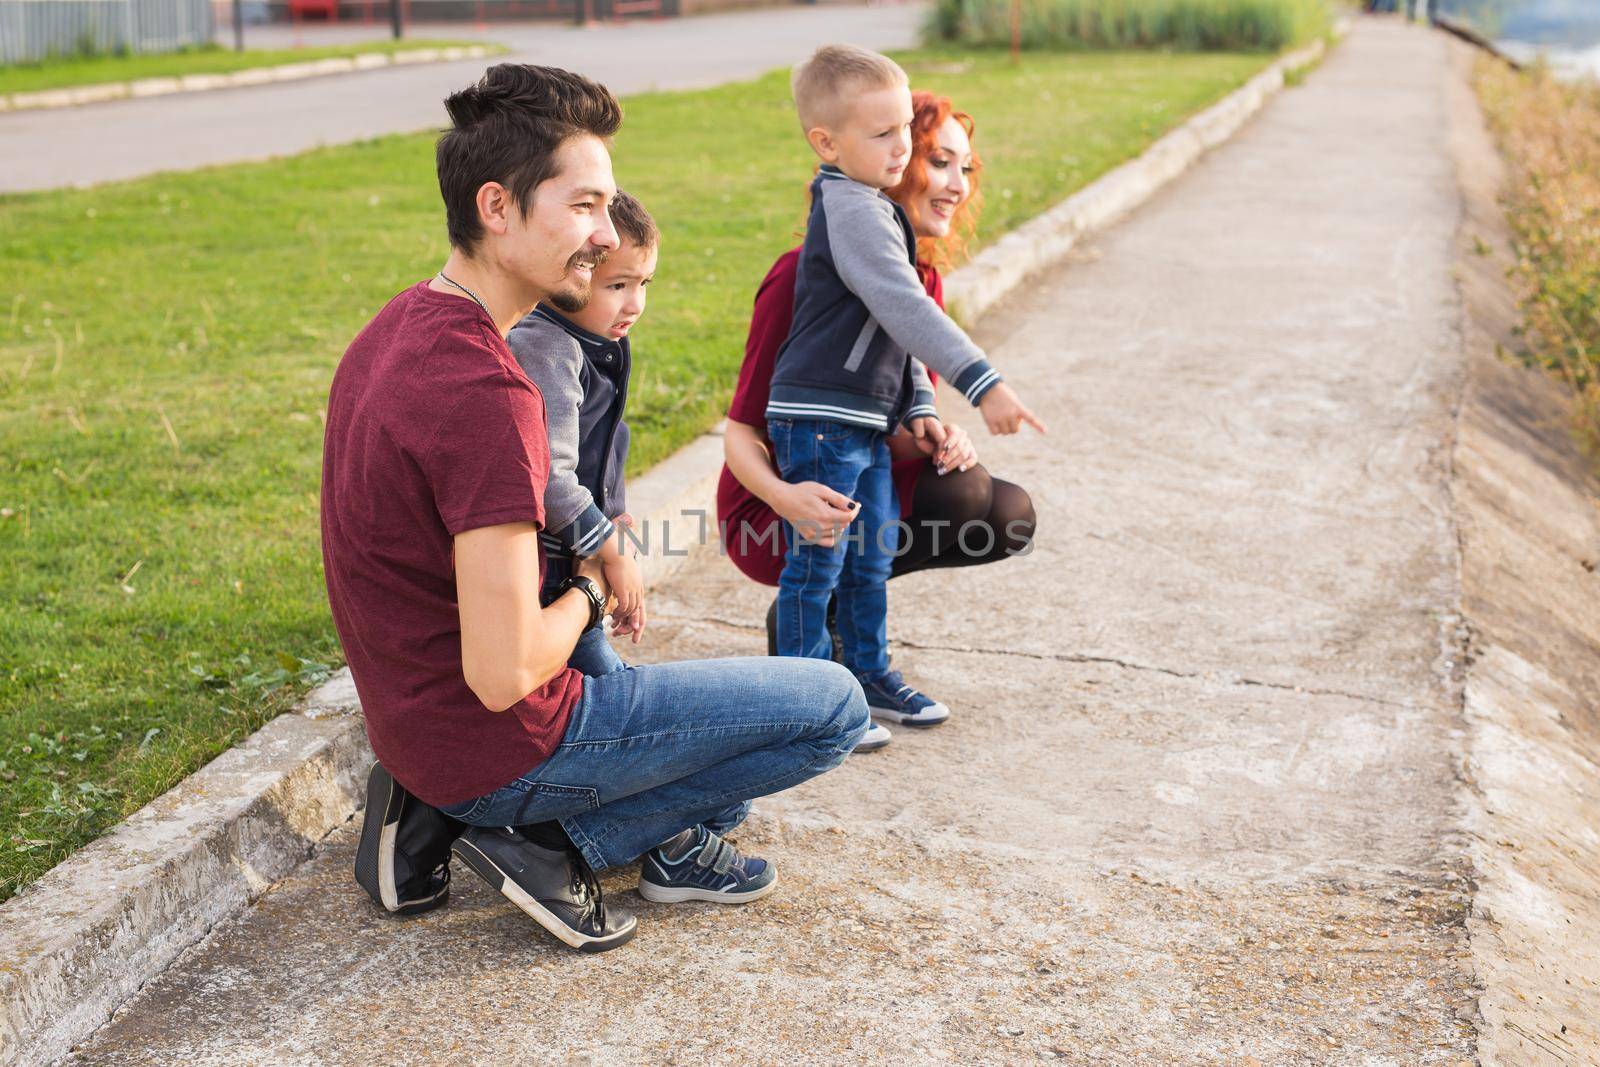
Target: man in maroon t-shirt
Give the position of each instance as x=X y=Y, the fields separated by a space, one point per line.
x=434 y=466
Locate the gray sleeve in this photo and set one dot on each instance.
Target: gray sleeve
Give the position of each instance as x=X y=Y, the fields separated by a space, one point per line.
x=551 y=360
x=869 y=252
x=922 y=393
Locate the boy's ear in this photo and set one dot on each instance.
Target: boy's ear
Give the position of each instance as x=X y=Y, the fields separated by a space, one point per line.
x=821 y=142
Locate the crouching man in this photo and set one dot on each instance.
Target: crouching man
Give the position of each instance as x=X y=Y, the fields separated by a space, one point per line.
x=434 y=468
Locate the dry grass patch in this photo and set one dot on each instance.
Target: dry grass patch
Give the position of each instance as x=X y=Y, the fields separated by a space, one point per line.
x=1549 y=132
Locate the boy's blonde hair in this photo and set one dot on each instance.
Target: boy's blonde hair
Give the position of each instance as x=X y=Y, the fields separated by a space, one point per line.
x=822 y=85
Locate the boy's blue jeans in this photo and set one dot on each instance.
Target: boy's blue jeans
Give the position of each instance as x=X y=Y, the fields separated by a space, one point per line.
x=653 y=750
x=853 y=460
x=593 y=654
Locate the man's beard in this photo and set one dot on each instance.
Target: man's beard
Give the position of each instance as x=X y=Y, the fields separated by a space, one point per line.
x=575 y=299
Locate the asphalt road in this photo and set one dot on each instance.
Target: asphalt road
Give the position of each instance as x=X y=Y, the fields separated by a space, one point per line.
x=46 y=149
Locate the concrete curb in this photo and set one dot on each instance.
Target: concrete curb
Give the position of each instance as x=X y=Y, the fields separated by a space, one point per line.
x=676 y=507
x=87 y=935
x=82 y=939
x=1457 y=28
x=196 y=83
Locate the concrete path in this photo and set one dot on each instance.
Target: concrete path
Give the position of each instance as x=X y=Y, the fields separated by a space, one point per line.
x=1196 y=802
x=127 y=138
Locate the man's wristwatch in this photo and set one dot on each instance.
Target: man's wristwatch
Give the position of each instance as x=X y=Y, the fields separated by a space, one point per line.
x=590 y=589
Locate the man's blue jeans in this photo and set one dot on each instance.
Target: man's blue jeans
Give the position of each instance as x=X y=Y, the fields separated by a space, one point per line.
x=653 y=750
x=853 y=460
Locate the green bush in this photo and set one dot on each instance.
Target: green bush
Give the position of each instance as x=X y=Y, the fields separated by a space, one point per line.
x=1182 y=25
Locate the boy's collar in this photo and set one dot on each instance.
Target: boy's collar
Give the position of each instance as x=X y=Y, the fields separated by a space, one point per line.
x=831 y=172
x=571 y=327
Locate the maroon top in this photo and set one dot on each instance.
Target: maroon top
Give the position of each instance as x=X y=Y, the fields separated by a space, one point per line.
x=432 y=430
x=759 y=552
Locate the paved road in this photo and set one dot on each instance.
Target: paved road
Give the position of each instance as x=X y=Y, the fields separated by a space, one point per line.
x=124 y=139
x=1196 y=801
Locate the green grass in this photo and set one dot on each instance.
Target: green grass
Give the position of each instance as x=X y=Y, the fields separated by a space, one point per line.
x=1182 y=25
x=165 y=353
x=95 y=70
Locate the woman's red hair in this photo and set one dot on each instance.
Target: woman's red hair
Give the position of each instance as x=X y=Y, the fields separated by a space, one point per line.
x=929 y=113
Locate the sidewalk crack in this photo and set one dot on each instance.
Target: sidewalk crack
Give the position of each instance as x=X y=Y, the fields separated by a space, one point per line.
x=1223 y=677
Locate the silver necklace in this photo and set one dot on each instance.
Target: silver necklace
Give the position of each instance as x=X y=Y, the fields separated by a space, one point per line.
x=476 y=299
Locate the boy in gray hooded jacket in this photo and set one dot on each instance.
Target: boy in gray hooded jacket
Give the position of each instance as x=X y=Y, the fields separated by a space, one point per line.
x=852 y=369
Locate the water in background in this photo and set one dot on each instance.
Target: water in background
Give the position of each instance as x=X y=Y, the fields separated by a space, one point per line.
x=1566 y=32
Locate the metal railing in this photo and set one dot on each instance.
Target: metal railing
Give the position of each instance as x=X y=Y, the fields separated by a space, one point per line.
x=32 y=30
x=292 y=23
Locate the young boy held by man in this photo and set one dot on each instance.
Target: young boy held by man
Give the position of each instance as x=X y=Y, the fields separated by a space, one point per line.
x=851 y=370
x=578 y=355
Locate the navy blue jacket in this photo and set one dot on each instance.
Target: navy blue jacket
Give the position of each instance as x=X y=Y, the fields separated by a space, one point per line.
x=584 y=379
x=864 y=324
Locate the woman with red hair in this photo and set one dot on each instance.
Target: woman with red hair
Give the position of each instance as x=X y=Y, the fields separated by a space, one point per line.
x=942 y=495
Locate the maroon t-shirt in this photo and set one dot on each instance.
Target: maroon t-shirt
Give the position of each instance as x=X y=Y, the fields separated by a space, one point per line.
x=432 y=430
x=759 y=554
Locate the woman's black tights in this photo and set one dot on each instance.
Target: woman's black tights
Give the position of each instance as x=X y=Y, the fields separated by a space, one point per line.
x=958 y=519
x=965 y=518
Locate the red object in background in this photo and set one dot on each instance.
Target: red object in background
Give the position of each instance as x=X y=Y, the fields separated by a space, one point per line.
x=620 y=9
x=328 y=9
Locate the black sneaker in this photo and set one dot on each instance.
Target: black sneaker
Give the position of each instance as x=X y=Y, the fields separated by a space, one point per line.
x=403 y=860
x=833 y=631
x=555 y=887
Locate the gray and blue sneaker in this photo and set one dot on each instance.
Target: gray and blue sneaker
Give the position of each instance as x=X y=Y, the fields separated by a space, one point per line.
x=889 y=697
x=699 y=865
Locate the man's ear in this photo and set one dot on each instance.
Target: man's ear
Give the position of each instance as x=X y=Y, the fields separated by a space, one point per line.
x=822 y=144
x=495 y=207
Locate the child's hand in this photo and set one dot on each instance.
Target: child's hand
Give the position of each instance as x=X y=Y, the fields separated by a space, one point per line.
x=627 y=585
x=928 y=433
x=1004 y=413
x=631 y=624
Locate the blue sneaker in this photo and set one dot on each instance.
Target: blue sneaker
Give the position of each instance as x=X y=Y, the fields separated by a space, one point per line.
x=889 y=697
x=699 y=865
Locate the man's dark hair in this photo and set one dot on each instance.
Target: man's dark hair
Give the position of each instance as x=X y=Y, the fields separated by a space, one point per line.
x=507 y=128
x=634 y=224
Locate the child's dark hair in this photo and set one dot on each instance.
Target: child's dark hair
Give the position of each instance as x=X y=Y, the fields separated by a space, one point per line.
x=507 y=128
x=634 y=224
